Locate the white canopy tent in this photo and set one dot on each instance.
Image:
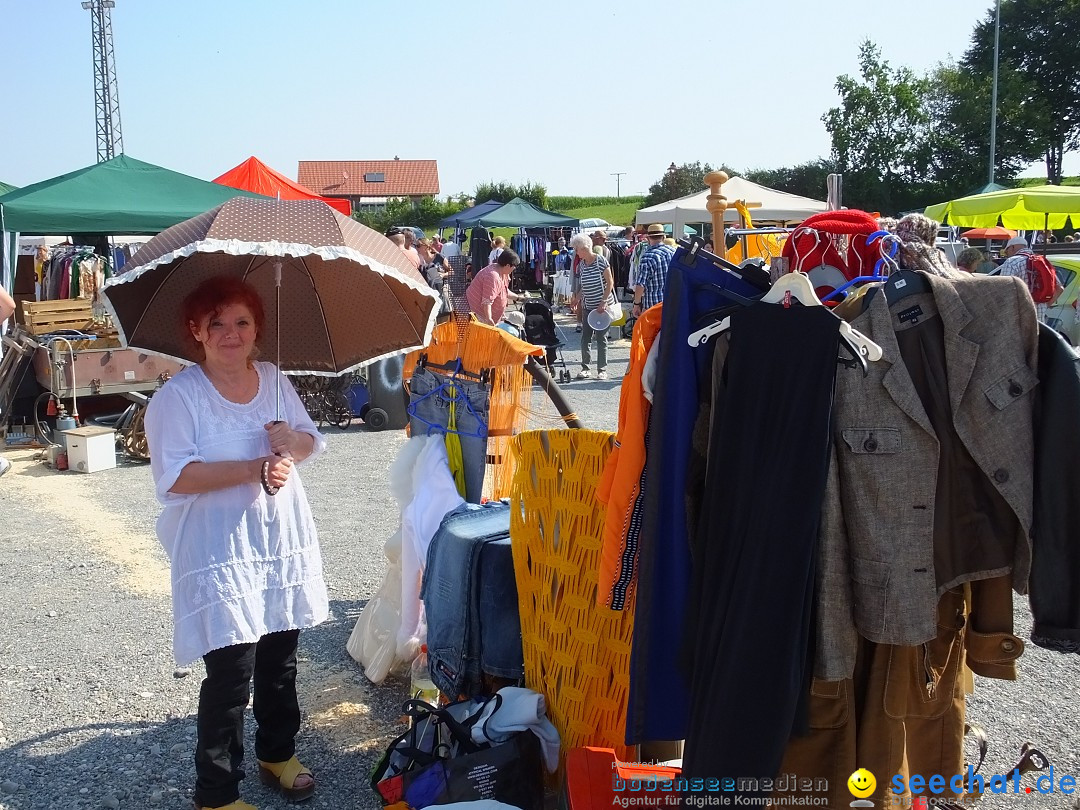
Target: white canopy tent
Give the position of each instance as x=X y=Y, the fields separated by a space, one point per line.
x=776 y=206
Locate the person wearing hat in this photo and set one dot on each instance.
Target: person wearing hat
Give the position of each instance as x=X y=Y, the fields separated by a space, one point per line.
x=1016 y=253
x=652 y=273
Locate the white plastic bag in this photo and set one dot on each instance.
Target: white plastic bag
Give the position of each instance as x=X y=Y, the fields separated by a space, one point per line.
x=373 y=642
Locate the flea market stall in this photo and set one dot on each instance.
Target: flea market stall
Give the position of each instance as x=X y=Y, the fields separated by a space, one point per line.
x=63 y=332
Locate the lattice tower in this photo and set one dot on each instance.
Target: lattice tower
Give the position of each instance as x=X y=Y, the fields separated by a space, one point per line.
x=110 y=139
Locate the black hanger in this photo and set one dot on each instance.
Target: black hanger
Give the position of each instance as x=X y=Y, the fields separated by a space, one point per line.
x=857 y=357
x=904 y=283
x=900 y=284
x=695 y=247
x=737 y=301
x=454 y=368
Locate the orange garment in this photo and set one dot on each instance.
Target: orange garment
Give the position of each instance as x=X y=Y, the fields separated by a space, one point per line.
x=620 y=483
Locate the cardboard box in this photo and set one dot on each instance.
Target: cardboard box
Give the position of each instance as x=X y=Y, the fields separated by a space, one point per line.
x=90 y=449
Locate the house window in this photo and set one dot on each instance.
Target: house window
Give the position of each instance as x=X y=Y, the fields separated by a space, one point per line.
x=374 y=177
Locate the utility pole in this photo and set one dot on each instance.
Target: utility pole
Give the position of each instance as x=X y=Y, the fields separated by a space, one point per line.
x=618 y=184
x=993 y=95
x=110 y=140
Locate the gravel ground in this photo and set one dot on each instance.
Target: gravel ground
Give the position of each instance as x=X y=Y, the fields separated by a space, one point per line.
x=94 y=714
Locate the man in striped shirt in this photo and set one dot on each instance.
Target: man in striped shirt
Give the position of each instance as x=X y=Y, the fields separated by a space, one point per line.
x=652 y=272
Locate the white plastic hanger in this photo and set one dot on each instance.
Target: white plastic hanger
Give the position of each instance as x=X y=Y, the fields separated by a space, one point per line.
x=797 y=286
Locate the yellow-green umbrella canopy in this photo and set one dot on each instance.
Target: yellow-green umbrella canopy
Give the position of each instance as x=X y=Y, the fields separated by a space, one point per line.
x=1026 y=209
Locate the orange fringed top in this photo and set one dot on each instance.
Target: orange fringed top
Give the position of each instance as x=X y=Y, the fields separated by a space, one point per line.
x=486 y=347
x=478 y=345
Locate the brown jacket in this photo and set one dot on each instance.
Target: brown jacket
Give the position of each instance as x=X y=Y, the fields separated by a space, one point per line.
x=877 y=574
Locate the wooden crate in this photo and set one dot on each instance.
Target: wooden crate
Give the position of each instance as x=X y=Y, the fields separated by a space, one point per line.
x=42 y=317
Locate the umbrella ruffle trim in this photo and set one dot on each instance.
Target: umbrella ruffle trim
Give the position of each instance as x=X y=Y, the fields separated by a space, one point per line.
x=234 y=247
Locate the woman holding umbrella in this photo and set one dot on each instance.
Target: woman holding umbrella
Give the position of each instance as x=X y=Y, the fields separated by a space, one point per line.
x=246 y=567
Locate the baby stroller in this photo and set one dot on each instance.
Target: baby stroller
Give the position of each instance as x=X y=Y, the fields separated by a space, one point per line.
x=541 y=330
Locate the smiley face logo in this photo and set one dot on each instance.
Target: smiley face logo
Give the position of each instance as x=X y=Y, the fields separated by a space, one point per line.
x=861 y=783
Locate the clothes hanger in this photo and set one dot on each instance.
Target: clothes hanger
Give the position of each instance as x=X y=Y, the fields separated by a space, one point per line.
x=435 y=427
x=794 y=284
x=695 y=245
x=797 y=286
x=877 y=274
x=901 y=282
x=455 y=368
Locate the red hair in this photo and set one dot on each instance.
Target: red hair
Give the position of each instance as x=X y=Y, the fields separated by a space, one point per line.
x=216 y=293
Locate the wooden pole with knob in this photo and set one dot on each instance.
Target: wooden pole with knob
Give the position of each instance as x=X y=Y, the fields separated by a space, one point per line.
x=716 y=204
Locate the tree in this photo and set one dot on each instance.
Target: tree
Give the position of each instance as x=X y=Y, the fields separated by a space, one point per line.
x=881 y=133
x=807 y=179
x=1039 y=80
x=423 y=213
x=504 y=192
x=678 y=181
x=959 y=106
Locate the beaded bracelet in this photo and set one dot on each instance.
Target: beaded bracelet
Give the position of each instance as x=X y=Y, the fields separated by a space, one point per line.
x=270 y=490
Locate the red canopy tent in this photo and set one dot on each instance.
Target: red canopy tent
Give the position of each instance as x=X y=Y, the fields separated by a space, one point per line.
x=254 y=175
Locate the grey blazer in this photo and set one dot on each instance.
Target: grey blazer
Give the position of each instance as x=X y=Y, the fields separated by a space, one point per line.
x=876 y=568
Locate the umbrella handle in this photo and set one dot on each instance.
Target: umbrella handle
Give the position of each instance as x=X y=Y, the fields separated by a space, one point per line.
x=265 y=477
x=277 y=336
x=269 y=490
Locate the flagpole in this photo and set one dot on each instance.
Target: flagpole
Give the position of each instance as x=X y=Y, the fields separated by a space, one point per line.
x=277 y=334
x=994 y=93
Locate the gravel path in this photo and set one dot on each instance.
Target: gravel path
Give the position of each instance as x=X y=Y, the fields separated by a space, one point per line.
x=94 y=714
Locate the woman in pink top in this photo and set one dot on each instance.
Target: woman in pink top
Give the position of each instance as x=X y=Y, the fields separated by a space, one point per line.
x=489 y=291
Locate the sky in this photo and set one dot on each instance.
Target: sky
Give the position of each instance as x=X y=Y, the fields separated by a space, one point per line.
x=556 y=92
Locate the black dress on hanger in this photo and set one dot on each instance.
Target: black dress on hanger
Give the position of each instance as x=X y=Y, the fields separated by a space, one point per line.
x=748 y=643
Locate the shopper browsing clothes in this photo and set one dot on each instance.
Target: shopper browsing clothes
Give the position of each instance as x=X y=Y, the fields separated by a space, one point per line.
x=597 y=291
x=236 y=524
x=489 y=292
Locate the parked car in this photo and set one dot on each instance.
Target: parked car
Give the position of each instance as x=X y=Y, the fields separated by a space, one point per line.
x=593 y=224
x=1064 y=314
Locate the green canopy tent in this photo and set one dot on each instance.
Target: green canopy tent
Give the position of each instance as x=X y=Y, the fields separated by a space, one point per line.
x=986 y=189
x=517 y=213
x=9 y=245
x=118 y=196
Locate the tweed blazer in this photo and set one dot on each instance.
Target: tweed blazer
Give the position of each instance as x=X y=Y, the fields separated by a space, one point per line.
x=876 y=568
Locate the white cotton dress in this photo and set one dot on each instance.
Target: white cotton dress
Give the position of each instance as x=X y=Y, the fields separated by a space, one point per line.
x=244 y=563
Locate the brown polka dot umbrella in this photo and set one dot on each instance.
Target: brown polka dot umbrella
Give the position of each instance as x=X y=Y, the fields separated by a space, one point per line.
x=348 y=296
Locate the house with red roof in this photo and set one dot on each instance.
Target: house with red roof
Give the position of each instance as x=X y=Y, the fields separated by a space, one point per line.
x=368 y=184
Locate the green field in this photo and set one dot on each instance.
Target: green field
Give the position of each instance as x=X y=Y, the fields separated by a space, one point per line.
x=617 y=214
x=1024 y=182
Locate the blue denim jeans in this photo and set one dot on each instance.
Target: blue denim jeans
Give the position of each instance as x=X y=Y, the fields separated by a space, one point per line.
x=429 y=412
x=470 y=599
